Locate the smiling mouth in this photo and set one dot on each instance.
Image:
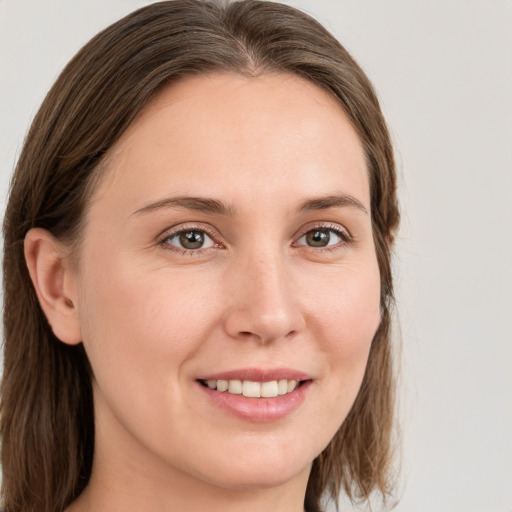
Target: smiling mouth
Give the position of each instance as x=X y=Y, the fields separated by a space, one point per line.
x=253 y=389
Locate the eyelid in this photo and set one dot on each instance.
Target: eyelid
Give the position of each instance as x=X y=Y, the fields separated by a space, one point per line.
x=341 y=231
x=180 y=228
x=187 y=226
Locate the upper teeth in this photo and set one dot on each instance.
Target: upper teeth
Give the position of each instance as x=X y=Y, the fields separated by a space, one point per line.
x=253 y=389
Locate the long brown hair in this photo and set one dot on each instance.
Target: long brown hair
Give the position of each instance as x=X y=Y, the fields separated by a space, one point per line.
x=47 y=423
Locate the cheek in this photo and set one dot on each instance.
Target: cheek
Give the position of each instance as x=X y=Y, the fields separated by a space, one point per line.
x=346 y=317
x=347 y=304
x=135 y=319
x=343 y=319
x=141 y=328
x=129 y=300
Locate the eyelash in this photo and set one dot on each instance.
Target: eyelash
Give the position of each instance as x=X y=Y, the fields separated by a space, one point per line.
x=344 y=236
x=182 y=251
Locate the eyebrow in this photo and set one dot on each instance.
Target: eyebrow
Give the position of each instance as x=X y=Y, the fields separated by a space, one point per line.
x=333 y=201
x=199 y=204
x=208 y=205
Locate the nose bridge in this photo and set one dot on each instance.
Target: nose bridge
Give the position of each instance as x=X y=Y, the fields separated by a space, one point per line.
x=263 y=304
x=269 y=282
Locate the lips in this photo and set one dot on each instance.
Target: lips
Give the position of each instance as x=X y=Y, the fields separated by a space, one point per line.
x=257 y=395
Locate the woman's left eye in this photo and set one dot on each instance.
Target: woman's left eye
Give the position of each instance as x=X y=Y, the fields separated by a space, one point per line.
x=190 y=239
x=322 y=237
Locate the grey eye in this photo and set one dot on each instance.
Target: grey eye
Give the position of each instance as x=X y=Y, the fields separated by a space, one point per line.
x=320 y=238
x=191 y=239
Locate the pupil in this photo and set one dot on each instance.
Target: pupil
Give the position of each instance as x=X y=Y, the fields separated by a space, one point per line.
x=318 y=238
x=192 y=239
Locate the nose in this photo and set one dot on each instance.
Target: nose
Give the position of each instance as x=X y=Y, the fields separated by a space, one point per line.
x=263 y=303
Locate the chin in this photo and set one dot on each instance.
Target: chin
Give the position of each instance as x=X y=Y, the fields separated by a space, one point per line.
x=259 y=478
x=264 y=469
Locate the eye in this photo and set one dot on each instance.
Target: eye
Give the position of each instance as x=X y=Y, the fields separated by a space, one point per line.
x=189 y=239
x=322 y=237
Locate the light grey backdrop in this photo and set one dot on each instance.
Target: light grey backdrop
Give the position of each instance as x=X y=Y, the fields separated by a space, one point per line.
x=444 y=72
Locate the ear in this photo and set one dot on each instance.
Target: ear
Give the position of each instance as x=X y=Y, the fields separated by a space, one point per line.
x=55 y=284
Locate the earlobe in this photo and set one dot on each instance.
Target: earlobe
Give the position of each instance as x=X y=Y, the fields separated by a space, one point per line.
x=53 y=280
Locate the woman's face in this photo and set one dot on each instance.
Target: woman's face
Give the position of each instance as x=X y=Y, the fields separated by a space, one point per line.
x=230 y=241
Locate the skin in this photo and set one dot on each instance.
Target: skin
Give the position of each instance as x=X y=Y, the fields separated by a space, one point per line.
x=154 y=318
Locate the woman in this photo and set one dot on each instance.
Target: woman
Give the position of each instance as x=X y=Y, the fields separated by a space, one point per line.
x=197 y=272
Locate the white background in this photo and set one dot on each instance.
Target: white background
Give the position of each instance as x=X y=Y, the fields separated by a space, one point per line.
x=443 y=69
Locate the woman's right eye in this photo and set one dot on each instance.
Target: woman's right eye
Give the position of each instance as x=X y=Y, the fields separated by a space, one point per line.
x=189 y=240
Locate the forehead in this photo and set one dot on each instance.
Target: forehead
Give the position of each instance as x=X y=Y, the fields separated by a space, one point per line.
x=210 y=132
